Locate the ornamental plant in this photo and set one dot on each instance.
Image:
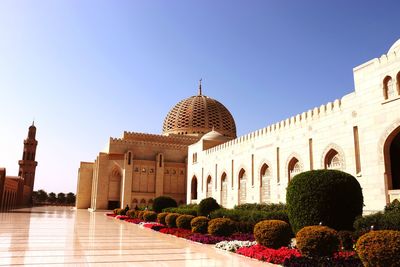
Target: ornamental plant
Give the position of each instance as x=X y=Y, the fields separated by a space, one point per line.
x=273 y=233
x=183 y=221
x=130 y=213
x=170 y=219
x=234 y=245
x=149 y=216
x=317 y=241
x=329 y=196
x=379 y=248
x=206 y=206
x=163 y=202
x=140 y=214
x=221 y=227
x=276 y=256
x=199 y=224
x=161 y=217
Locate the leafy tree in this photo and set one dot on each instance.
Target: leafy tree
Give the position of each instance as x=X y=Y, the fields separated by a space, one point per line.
x=52 y=197
x=61 y=198
x=70 y=199
x=41 y=196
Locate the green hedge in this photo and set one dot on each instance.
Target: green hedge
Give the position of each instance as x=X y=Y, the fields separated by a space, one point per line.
x=249 y=216
x=328 y=196
x=182 y=210
x=272 y=207
x=380 y=221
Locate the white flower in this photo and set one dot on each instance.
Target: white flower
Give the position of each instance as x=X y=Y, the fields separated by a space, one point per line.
x=234 y=245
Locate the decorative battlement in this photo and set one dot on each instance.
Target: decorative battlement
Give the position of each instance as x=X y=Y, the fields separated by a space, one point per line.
x=312 y=114
x=147 y=143
x=184 y=139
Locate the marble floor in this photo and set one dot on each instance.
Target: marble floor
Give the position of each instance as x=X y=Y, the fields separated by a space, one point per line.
x=54 y=236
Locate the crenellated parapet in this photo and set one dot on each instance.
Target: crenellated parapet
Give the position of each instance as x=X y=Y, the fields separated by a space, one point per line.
x=298 y=120
x=120 y=141
x=182 y=139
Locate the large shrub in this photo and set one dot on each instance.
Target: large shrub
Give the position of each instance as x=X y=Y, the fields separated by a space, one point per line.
x=206 y=206
x=221 y=227
x=149 y=216
x=379 y=248
x=161 y=217
x=249 y=216
x=170 y=219
x=329 y=196
x=199 y=224
x=183 y=221
x=380 y=221
x=317 y=241
x=163 y=202
x=272 y=233
x=131 y=213
x=393 y=206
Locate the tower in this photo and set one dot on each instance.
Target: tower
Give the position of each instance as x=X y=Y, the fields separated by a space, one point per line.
x=27 y=167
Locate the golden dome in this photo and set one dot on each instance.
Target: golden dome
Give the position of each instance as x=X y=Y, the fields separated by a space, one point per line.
x=198 y=115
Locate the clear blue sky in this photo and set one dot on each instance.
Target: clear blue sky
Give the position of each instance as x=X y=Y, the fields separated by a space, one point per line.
x=88 y=70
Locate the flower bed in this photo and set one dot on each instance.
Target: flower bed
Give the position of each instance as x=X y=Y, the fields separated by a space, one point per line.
x=135 y=221
x=121 y=217
x=234 y=245
x=340 y=259
x=178 y=232
x=276 y=256
x=111 y=215
x=154 y=226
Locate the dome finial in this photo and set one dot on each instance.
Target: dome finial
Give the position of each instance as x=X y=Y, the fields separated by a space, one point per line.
x=200 y=92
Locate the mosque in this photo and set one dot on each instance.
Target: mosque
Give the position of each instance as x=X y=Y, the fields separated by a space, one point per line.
x=198 y=154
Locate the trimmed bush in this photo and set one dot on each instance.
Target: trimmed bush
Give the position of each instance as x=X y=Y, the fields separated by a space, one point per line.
x=183 y=210
x=161 y=217
x=329 y=196
x=140 y=214
x=273 y=233
x=199 y=224
x=271 y=207
x=244 y=227
x=379 y=248
x=249 y=216
x=149 y=216
x=120 y=212
x=115 y=211
x=381 y=221
x=394 y=206
x=163 y=202
x=207 y=206
x=317 y=241
x=170 y=219
x=221 y=227
x=183 y=221
x=131 y=214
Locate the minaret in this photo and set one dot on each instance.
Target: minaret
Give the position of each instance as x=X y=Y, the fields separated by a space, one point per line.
x=27 y=165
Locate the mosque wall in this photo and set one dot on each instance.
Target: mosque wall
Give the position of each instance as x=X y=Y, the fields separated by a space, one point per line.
x=348 y=134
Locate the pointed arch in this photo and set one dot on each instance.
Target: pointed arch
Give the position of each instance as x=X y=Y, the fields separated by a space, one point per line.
x=193 y=186
x=242 y=182
x=265 y=183
x=294 y=166
x=389 y=90
x=333 y=158
x=209 y=186
x=114 y=184
x=224 y=189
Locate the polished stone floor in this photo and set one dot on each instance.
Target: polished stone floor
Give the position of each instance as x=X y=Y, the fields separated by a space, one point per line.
x=54 y=236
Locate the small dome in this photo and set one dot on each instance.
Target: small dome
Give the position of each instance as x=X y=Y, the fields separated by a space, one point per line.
x=215 y=136
x=198 y=115
x=395 y=47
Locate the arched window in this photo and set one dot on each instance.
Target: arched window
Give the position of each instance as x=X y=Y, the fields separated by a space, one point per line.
x=242 y=186
x=209 y=187
x=224 y=190
x=294 y=168
x=265 y=183
x=142 y=202
x=389 y=90
x=332 y=160
x=194 y=188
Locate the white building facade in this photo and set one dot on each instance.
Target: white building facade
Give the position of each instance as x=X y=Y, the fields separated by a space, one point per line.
x=358 y=134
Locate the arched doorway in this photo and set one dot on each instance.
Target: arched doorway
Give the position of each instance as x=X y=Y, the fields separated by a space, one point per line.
x=392 y=161
x=224 y=190
x=193 y=191
x=242 y=187
x=114 y=189
x=265 y=184
x=209 y=187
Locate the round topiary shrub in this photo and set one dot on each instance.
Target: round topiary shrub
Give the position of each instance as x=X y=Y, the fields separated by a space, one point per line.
x=163 y=202
x=273 y=233
x=115 y=211
x=207 y=206
x=379 y=248
x=199 y=224
x=317 y=241
x=161 y=217
x=149 y=216
x=121 y=212
x=183 y=221
x=221 y=227
x=329 y=196
x=130 y=213
x=170 y=219
x=140 y=214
